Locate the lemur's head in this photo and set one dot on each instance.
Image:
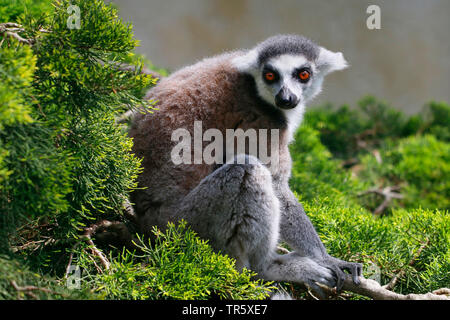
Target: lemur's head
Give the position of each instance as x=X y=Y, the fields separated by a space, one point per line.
x=289 y=69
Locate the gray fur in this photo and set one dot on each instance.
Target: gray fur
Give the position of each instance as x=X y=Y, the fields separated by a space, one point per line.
x=283 y=44
x=242 y=209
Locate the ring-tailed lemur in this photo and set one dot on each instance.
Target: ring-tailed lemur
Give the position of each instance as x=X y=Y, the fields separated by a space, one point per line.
x=243 y=209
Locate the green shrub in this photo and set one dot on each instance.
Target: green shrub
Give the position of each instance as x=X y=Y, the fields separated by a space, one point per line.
x=178 y=265
x=419 y=165
x=14 y=10
x=437 y=120
x=62 y=154
x=34 y=173
x=412 y=241
x=19 y=282
x=360 y=137
x=314 y=171
x=346 y=132
x=63 y=160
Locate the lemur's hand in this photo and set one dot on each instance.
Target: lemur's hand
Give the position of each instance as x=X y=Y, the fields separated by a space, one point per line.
x=339 y=266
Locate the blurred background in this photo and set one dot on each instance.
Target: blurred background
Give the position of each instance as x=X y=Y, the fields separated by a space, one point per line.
x=406 y=62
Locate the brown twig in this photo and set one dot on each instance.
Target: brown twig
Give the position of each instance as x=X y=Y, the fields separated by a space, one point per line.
x=360 y=141
x=128 y=211
x=39 y=106
x=388 y=194
x=68 y=265
x=395 y=279
x=371 y=288
x=442 y=291
x=28 y=290
x=88 y=233
x=12 y=30
x=377 y=155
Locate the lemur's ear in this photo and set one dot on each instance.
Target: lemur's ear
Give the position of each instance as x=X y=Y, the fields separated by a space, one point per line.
x=246 y=62
x=329 y=61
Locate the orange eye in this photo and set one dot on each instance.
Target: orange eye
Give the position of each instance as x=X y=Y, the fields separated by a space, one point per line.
x=304 y=75
x=270 y=76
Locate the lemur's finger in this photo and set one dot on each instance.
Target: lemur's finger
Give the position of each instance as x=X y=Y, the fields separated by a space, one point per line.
x=340 y=277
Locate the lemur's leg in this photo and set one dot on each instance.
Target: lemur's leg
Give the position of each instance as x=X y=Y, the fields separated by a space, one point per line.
x=236 y=208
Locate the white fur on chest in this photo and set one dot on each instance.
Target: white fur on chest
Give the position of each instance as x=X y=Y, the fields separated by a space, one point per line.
x=294 y=118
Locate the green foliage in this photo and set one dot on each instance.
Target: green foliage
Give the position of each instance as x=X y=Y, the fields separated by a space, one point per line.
x=314 y=171
x=39 y=176
x=33 y=172
x=16 y=72
x=178 y=265
x=437 y=121
x=411 y=243
x=19 y=282
x=347 y=132
x=420 y=165
x=414 y=241
x=14 y=10
x=381 y=147
x=61 y=150
x=63 y=159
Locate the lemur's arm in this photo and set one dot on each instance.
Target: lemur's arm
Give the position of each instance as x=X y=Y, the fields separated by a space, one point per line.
x=297 y=230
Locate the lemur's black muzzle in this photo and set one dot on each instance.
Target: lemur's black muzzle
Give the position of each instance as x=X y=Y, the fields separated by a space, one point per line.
x=285 y=99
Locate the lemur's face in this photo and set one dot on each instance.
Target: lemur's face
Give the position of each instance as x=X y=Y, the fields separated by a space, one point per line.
x=287 y=80
x=289 y=69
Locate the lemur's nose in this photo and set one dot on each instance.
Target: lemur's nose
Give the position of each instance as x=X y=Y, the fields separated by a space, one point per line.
x=286 y=99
